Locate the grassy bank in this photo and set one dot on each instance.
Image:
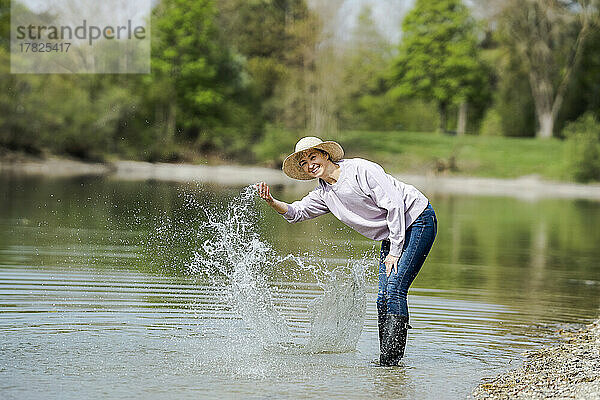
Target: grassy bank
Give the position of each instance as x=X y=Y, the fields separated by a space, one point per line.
x=424 y=153
x=399 y=152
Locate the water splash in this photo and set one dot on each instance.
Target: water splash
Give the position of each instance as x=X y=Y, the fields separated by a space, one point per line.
x=232 y=249
x=232 y=256
x=337 y=317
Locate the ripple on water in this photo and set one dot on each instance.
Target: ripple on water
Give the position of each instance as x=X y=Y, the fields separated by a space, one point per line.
x=79 y=317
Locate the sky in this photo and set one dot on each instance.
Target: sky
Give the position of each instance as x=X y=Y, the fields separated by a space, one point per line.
x=105 y=12
x=341 y=15
x=387 y=15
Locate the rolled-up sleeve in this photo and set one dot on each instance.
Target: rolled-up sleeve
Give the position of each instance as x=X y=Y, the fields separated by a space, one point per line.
x=378 y=185
x=311 y=206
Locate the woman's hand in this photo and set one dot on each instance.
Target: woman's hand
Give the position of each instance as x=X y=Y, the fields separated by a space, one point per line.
x=391 y=262
x=263 y=192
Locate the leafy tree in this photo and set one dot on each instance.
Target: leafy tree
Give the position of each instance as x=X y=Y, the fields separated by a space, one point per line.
x=512 y=107
x=63 y=114
x=196 y=84
x=548 y=36
x=360 y=94
x=583 y=148
x=584 y=91
x=80 y=115
x=276 y=40
x=363 y=64
x=5 y=24
x=438 y=58
x=201 y=95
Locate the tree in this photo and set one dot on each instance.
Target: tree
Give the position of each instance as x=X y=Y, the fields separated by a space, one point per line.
x=438 y=57
x=83 y=115
x=5 y=24
x=197 y=84
x=583 y=148
x=276 y=40
x=361 y=95
x=548 y=36
x=584 y=91
x=512 y=112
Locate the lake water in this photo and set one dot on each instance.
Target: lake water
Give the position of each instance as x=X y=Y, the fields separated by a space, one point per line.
x=155 y=290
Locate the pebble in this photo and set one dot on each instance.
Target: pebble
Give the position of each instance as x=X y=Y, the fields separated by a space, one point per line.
x=570 y=370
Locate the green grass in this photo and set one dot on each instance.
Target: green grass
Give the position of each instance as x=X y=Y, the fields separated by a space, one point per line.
x=473 y=155
x=425 y=153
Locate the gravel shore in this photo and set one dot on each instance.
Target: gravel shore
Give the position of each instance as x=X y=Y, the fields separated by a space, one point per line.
x=570 y=370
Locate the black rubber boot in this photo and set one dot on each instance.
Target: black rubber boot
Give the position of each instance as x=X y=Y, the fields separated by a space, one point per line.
x=395 y=330
x=383 y=335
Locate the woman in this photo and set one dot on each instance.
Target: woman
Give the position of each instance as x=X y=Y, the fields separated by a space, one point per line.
x=361 y=195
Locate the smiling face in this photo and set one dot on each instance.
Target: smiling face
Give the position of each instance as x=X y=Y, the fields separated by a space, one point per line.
x=314 y=163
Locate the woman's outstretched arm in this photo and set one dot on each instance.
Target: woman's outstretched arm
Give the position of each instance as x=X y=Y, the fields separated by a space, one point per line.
x=264 y=193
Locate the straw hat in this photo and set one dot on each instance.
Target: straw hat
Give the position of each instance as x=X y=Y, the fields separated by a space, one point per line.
x=290 y=164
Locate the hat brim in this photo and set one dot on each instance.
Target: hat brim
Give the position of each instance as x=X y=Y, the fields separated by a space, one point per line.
x=293 y=170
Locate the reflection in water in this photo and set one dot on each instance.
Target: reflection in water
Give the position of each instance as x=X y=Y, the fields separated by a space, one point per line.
x=94 y=301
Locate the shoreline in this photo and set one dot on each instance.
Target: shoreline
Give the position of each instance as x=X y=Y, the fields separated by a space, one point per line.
x=528 y=187
x=568 y=370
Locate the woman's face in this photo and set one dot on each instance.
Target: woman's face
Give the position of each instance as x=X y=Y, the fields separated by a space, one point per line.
x=314 y=163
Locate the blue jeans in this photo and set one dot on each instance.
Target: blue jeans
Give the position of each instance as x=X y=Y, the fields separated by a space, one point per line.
x=393 y=289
